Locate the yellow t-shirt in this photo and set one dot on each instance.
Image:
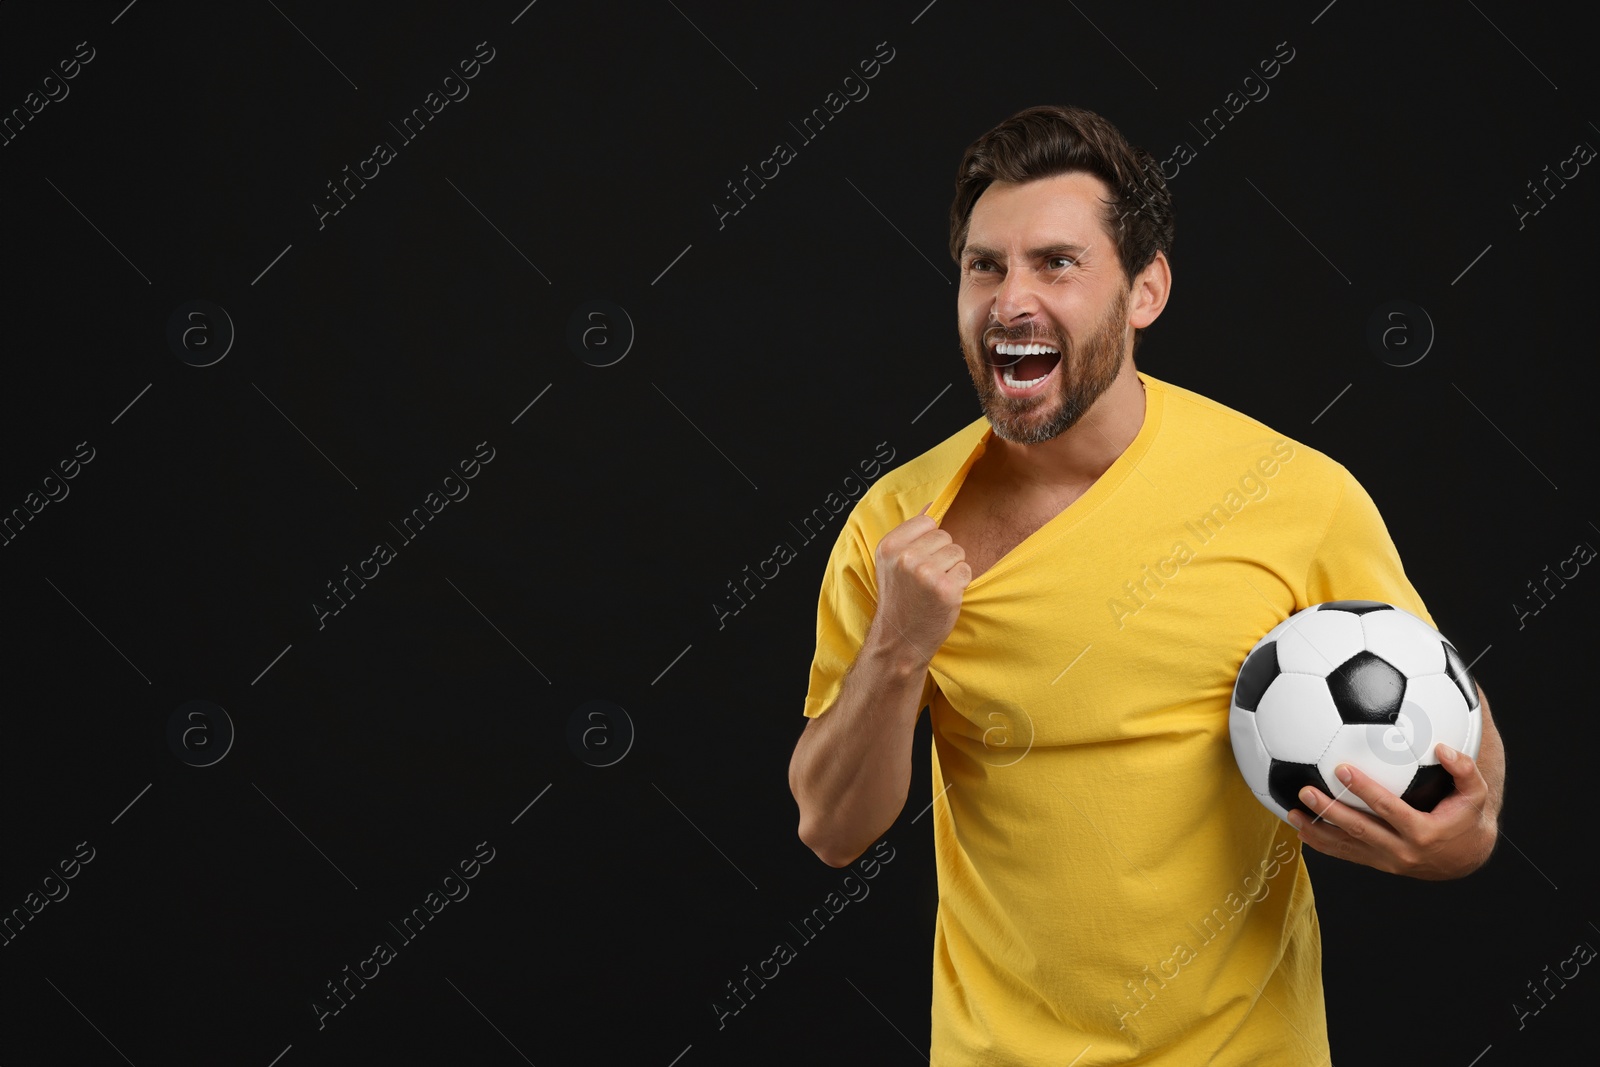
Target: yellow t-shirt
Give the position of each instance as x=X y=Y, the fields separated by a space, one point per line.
x=1108 y=885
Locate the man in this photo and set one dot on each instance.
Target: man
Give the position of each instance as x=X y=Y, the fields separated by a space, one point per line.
x=1070 y=585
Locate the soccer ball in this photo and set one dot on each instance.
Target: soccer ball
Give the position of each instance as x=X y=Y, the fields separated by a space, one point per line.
x=1358 y=682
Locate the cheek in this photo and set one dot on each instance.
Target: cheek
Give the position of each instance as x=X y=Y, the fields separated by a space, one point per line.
x=971 y=321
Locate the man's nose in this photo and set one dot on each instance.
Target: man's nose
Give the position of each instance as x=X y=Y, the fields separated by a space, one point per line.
x=1015 y=298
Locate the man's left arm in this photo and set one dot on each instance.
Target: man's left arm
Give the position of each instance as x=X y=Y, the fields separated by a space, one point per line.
x=1451 y=841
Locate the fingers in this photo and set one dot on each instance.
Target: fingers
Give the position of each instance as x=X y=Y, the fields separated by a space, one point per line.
x=947 y=556
x=931 y=546
x=922 y=548
x=935 y=566
x=921 y=576
x=916 y=537
x=1464 y=769
x=1393 y=811
x=907 y=532
x=1341 y=831
x=1447 y=842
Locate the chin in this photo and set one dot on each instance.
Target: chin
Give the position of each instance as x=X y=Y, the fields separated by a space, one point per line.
x=1038 y=424
x=1034 y=435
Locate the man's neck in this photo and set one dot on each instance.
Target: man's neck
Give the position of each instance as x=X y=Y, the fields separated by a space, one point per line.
x=1072 y=461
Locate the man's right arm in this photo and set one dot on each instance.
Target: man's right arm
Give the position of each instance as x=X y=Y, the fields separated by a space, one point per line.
x=851 y=770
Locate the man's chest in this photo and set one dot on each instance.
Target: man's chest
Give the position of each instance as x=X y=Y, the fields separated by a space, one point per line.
x=987 y=525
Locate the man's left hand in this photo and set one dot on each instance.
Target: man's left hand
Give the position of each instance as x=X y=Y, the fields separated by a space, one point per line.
x=1451 y=841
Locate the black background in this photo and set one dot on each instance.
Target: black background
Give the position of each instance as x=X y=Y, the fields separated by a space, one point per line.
x=773 y=354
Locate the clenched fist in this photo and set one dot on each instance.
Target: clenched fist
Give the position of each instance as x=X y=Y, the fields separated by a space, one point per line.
x=922 y=574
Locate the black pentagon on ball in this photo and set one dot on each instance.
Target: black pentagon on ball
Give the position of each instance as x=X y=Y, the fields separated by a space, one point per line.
x=1285 y=780
x=1457 y=671
x=1260 y=668
x=1367 y=689
x=1431 y=784
x=1355 y=607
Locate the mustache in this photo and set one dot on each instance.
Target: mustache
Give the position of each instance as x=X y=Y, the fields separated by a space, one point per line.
x=999 y=335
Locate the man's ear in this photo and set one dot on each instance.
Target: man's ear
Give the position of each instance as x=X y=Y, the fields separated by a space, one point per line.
x=1150 y=290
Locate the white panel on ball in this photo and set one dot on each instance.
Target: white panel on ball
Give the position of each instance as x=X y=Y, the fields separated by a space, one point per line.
x=1405 y=641
x=1248 y=751
x=1441 y=699
x=1297 y=718
x=1318 y=641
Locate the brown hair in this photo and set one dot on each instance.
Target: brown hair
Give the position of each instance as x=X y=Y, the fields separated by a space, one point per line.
x=1043 y=141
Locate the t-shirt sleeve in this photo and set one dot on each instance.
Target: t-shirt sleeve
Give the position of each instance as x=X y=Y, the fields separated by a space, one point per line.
x=846 y=607
x=1357 y=559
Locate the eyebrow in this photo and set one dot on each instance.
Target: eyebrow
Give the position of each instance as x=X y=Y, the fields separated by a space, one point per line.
x=985 y=252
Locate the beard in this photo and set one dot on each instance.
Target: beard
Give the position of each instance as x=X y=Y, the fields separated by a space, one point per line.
x=1082 y=374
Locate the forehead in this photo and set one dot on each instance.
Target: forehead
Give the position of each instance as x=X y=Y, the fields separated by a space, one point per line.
x=1020 y=215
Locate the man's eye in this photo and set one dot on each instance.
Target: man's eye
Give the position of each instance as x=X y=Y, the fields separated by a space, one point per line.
x=977 y=263
x=1065 y=261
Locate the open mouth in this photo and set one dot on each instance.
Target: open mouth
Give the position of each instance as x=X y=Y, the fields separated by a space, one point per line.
x=1022 y=369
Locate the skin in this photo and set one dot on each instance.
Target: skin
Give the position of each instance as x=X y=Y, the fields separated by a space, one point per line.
x=1061 y=441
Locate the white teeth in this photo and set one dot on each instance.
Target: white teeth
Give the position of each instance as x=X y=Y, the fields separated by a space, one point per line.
x=1011 y=381
x=1023 y=350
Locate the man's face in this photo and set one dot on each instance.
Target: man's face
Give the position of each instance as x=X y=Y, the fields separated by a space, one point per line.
x=1039 y=268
